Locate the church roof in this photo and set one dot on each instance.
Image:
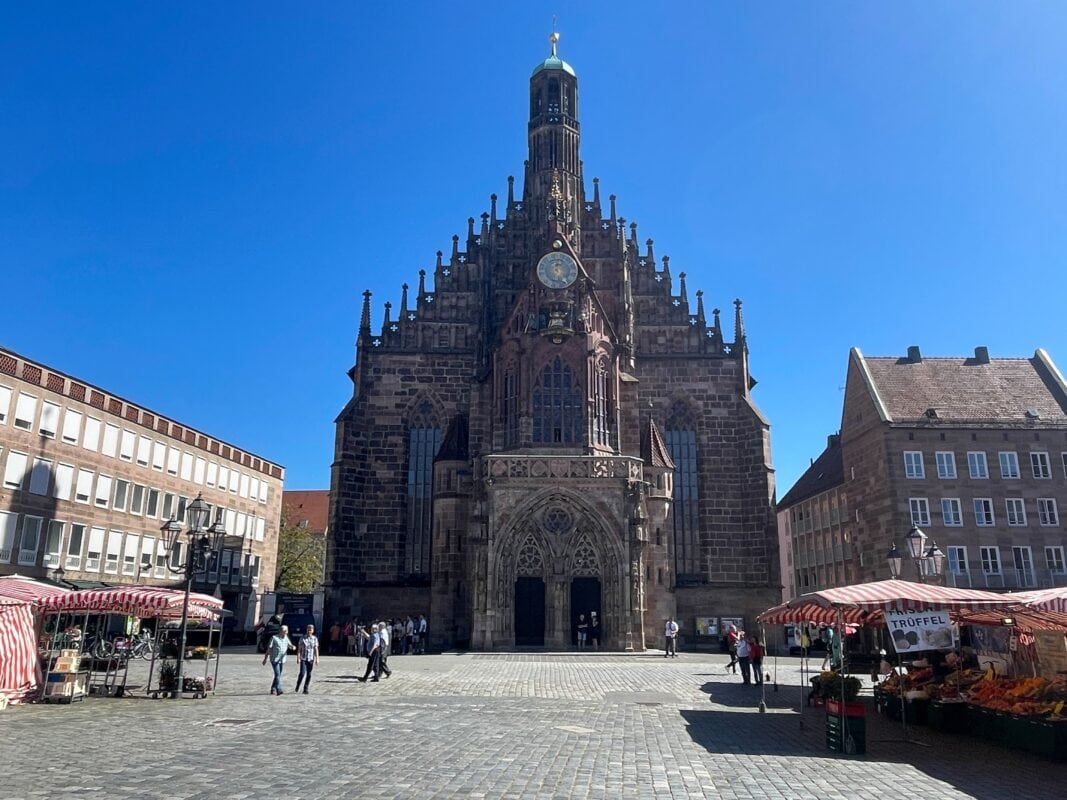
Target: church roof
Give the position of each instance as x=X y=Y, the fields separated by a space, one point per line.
x=554 y=62
x=653 y=450
x=826 y=472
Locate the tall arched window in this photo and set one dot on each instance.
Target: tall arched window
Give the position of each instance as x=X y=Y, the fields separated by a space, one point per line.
x=681 y=441
x=601 y=432
x=424 y=440
x=509 y=407
x=557 y=406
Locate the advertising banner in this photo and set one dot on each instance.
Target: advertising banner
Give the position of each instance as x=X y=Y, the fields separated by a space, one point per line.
x=921 y=630
x=707 y=626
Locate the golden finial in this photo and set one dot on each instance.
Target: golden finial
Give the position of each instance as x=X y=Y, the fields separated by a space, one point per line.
x=554 y=37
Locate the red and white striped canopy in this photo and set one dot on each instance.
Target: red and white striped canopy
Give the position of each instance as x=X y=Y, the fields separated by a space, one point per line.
x=20 y=669
x=138 y=601
x=1043 y=599
x=27 y=590
x=1024 y=618
x=864 y=603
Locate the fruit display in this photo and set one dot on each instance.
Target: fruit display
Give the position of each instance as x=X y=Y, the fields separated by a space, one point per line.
x=917 y=679
x=1022 y=696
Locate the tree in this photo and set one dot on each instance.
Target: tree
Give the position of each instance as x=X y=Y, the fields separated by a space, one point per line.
x=301 y=558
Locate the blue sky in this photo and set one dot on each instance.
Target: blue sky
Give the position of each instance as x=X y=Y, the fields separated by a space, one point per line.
x=194 y=196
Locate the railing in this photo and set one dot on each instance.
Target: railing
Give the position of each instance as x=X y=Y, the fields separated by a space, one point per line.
x=543 y=467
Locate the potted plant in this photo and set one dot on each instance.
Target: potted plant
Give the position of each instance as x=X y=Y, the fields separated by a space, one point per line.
x=168 y=676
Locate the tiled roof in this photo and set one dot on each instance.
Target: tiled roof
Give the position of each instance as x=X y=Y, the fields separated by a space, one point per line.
x=827 y=471
x=653 y=450
x=312 y=505
x=966 y=389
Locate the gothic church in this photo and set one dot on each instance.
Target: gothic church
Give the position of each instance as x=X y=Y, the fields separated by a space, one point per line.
x=551 y=428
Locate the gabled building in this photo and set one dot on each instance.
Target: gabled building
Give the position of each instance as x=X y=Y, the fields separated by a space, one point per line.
x=554 y=426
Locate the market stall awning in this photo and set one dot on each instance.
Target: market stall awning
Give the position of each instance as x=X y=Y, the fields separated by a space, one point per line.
x=1043 y=599
x=1022 y=617
x=864 y=603
x=27 y=590
x=138 y=601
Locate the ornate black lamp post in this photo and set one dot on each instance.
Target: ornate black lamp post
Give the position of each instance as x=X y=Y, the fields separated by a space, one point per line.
x=203 y=540
x=929 y=561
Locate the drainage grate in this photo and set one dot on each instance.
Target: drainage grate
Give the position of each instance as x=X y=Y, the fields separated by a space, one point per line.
x=229 y=723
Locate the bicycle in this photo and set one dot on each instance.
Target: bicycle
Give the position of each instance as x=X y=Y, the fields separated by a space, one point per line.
x=143 y=645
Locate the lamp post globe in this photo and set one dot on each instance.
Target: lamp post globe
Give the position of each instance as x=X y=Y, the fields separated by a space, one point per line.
x=896 y=561
x=916 y=541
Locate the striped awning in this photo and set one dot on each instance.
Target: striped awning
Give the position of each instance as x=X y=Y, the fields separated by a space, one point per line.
x=20 y=669
x=138 y=601
x=27 y=590
x=1043 y=599
x=1024 y=618
x=864 y=603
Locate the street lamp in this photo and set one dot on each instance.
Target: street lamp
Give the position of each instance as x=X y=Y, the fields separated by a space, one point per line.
x=202 y=541
x=58 y=573
x=929 y=561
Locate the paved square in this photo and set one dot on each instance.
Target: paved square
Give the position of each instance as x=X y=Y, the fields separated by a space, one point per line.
x=490 y=726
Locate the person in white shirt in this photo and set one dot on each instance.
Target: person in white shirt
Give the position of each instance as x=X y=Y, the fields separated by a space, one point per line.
x=308 y=653
x=383 y=632
x=670 y=636
x=742 y=658
x=422 y=634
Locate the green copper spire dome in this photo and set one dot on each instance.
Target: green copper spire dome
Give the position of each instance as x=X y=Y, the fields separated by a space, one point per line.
x=554 y=61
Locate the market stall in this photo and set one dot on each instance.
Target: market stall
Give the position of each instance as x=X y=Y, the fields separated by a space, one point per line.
x=21 y=610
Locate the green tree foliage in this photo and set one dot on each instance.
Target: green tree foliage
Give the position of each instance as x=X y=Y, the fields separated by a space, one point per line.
x=301 y=559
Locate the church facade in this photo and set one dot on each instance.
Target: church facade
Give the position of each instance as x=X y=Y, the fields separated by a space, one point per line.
x=553 y=428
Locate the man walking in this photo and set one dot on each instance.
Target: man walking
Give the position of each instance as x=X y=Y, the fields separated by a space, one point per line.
x=384 y=649
x=374 y=653
x=422 y=634
x=278 y=647
x=742 y=658
x=308 y=653
x=670 y=635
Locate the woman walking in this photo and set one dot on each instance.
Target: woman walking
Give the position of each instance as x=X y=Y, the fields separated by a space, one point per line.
x=278 y=648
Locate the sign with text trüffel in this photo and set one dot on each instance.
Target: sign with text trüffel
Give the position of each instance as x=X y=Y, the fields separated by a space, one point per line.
x=921 y=630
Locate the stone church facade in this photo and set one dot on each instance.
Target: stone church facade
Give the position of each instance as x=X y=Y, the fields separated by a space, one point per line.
x=554 y=428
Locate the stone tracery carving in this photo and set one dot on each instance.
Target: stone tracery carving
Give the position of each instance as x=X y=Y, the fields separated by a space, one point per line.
x=586 y=561
x=530 y=561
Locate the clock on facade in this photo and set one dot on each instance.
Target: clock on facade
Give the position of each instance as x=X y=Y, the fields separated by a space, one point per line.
x=557 y=270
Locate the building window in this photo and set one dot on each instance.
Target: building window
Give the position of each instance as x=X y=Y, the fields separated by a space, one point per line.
x=74 y=547
x=682 y=447
x=1041 y=466
x=957 y=560
x=40 y=476
x=53 y=544
x=977 y=466
x=423 y=444
x=126 y=445
x=72 y=426
x=173 y=456
x=1047 y=513
x=25 y=411
x=600 y=403
x=84 y=487
x=144 y=450
x=1024 y=566
x=951 y=512
x=91 y=436
x=946 y=465
x=151 y=508
x=31 y=540
x=1009 y=465
x=64 y=482
x=1054 y=559
x=557 y=406
x=114 y=548
x=49 y=420
x=95 y=550
x=990 y=560
x=5 y=403
x=510 y=406
x=920 y=510
x=913 y=464
x=159 y=456
x=1016 y=510
x=148 y=546
x=15 y=470
x=103 y=491
x=983 y=511
x=122 y=492
x=129 y=555
x=137 y=499
x=1063 y=457
x=8 y=520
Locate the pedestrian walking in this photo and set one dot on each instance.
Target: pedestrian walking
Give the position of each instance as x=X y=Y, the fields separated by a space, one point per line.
x=409 y=635
x=278 y=647
x=742 y=658
x=583 y=631
x=594 y=630
x=670 y=636
x=731 y=644
x=374 y=652
x=423 y=634
x=308 y=654
x=755 y=658
x=384 y=649
x=335 y=638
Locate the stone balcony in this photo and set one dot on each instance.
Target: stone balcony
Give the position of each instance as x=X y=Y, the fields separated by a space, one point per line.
x=543 y=467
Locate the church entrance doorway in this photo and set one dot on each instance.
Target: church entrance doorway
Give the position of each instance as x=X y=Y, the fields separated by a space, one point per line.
x=585 y=599
x=529 y=612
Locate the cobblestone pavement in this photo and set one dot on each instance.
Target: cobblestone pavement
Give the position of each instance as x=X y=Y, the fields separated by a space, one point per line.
x=490 y=726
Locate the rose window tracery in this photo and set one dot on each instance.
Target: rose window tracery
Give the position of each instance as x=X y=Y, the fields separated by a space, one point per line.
x=530 y=562
x=585 y=560
x=557 y=520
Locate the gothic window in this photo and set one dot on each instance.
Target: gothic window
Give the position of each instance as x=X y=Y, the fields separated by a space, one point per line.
x=585 y=560
x=601 y=433
x=530 y=562
x=557 y=406
x=535 y=101
x=423 y=443
x=556 y=521
x=682 y=446
x=553 y=96
x=510 y=406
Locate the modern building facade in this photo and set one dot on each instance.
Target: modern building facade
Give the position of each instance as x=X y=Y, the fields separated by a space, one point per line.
x=88 y=478
x=973 y=451
x=554 y=427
